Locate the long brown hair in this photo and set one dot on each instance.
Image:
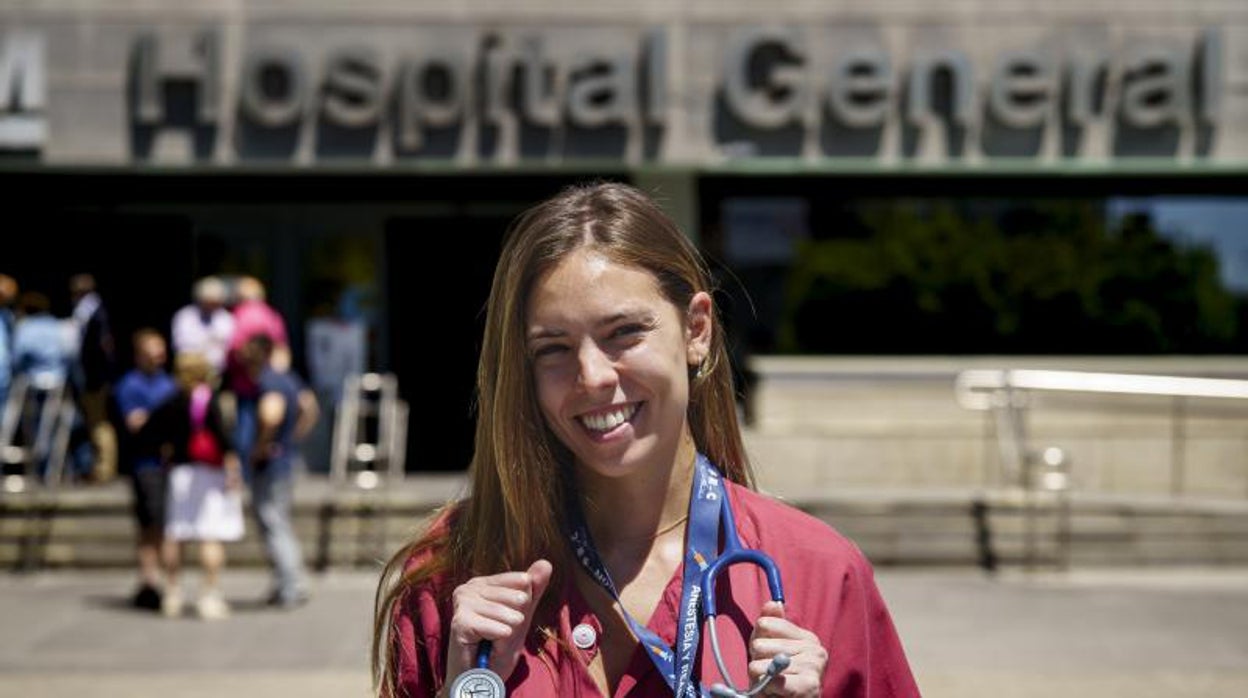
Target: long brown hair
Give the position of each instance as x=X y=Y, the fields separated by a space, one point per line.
x=520 y=471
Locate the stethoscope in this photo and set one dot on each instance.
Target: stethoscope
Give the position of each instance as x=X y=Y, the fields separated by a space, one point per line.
x=480 y=682
x=734 y=553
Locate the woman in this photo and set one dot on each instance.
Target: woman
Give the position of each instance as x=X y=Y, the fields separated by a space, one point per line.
x=606 y=416
x=205 y=484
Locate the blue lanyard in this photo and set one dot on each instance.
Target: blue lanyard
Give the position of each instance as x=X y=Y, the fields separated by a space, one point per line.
x=706 y=502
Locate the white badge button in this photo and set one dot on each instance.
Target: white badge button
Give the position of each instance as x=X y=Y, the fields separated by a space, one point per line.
x=584 y=636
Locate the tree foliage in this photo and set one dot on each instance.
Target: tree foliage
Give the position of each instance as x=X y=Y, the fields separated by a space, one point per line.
x=1006 y=277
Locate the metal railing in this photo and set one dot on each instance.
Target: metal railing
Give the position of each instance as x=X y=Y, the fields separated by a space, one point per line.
x=35 y=426
x=370 y=431
x=1007 y=394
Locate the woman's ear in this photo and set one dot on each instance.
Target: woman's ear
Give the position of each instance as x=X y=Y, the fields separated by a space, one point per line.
x=699 y=323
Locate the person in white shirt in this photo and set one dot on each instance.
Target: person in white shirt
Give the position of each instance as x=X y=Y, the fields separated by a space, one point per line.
x=205 y=326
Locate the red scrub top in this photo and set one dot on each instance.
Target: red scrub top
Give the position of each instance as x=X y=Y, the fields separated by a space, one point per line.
x=829 y=589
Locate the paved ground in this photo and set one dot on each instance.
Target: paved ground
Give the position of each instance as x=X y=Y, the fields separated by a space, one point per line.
x=1119 y=633
x=1110 y=633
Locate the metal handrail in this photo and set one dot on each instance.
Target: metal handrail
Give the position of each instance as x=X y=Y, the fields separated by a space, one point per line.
x=974 y=388
x=369 y=396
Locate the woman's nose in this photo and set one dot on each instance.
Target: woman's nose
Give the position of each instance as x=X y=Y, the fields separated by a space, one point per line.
x=595 y=368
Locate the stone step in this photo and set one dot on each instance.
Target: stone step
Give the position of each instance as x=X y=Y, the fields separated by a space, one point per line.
x=347 y=528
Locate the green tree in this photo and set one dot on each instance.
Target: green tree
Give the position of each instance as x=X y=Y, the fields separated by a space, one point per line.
x=993 y=276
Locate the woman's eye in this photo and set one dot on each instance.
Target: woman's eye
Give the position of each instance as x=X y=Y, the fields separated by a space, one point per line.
x=548 y=350
x=626 y=330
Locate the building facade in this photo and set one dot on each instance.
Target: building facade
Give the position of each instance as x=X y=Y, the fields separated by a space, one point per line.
x=356 y=157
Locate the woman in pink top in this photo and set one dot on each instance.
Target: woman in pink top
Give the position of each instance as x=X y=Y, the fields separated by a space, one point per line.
x=252 y=316
x=606 y=444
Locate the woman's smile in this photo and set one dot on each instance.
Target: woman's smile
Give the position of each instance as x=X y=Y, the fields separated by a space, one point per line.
x=608 y=423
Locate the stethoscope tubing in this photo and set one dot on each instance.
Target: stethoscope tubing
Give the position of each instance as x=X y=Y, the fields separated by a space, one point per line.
x=483 y=654
x=733 y=554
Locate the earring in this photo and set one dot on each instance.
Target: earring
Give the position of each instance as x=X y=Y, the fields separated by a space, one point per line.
x=702 y=370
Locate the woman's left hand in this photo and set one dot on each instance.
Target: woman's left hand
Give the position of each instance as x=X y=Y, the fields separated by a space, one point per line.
x=808 y=659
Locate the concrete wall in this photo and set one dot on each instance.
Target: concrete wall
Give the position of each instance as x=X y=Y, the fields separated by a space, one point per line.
x=92 y=48
x=894 y=422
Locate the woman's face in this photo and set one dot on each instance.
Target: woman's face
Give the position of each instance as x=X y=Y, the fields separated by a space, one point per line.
x=610 y=357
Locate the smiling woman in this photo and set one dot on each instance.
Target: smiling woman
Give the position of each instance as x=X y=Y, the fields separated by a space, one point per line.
x=609 y=486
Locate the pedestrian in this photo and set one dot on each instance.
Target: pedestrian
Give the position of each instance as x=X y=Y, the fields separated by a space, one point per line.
x=140 y=392
x=8 y=323
x=204 y=502
x=205 y=326
x=94 y=374
x=253 y=317
x=43 y=356
x=286 y=411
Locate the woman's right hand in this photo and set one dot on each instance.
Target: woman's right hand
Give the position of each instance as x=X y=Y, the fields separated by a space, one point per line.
x=498 y=608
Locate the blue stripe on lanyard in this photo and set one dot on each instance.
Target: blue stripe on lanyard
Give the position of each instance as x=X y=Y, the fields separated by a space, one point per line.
x=705 y=504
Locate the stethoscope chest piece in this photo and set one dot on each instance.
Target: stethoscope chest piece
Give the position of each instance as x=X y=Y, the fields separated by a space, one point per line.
x=479 y=682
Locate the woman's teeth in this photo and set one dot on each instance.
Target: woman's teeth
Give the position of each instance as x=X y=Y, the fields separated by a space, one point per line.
x=606 y=421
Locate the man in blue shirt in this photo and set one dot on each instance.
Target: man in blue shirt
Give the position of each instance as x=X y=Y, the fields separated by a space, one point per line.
x=139 y=392
x=286 y=410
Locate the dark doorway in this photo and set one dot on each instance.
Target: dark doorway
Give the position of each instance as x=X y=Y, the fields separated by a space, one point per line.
x=142 y=265
x=439 y=272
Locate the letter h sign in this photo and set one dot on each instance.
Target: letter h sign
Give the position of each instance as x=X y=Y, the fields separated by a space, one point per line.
x=23 y=92
x=154 y=68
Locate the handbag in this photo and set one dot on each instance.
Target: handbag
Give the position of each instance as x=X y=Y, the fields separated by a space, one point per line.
x=202 y=446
